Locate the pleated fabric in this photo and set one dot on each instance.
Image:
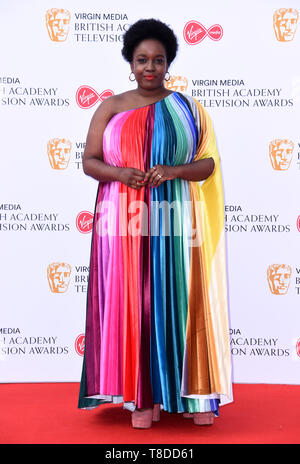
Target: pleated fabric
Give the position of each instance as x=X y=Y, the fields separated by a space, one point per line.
x=157 y=313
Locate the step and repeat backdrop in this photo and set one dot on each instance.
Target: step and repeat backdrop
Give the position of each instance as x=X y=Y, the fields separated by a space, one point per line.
x=59 y=61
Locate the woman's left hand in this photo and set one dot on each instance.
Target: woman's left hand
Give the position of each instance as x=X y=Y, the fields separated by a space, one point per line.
x=159 y=174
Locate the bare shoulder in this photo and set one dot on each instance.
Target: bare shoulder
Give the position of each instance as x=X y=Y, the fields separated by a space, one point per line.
x=123 y=101
x=111 y=106
x=106 y=108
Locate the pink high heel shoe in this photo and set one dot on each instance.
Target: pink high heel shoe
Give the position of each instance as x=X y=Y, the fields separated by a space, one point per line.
x=203 y=418
x=143 y=419
x=200 y=418
x=156 y=413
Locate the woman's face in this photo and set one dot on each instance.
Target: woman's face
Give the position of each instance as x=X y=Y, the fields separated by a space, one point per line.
x=149 y=64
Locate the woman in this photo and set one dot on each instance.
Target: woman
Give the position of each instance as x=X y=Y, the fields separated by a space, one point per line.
x=157 y=332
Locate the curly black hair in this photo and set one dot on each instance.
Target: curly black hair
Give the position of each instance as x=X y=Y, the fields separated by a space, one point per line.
x=149 y=29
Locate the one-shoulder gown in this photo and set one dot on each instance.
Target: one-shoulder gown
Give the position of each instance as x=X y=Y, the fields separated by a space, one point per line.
x=157 y=309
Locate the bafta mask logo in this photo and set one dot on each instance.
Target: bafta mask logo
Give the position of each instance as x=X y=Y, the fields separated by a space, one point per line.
x=79 y=344
x=58 y=23
x=58 y=275
x=84 y=222
x=59 y=151
x=177 y=83
x=285 y=24
x=279 y=276
x=281 y=152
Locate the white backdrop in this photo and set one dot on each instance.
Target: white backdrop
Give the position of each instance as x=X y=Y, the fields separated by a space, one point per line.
x=245 y=71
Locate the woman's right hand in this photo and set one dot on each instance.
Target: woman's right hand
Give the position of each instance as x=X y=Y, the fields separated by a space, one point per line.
x=132 y=177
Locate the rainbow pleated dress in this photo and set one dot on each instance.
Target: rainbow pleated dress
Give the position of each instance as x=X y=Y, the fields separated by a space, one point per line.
x=157 y=314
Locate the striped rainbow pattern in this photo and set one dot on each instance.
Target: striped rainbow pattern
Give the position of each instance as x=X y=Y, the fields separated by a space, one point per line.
x=157 y=324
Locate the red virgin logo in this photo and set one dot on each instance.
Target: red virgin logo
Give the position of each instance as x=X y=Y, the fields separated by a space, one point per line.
x=79 y=344
x=298 y=347
x=298 y=223
x=86 y=96
x=84 y=222
x=194 y=32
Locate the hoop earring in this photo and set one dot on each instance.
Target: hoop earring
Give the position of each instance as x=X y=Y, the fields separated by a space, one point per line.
x=131 y=80
x=168 y=76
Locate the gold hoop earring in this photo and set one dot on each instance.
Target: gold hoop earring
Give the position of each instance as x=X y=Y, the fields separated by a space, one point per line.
x=131 y=80
x=168 y=76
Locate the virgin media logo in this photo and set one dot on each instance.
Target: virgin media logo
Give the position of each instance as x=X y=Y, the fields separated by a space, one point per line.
x=298 y=347
x=298 y=223
x=195 y=32
x=84 y=222
x=79 y=344
x=86 y=96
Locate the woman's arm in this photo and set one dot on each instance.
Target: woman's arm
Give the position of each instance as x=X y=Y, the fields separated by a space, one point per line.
x=199 y=170
x=196 y=171
x=93 y=164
